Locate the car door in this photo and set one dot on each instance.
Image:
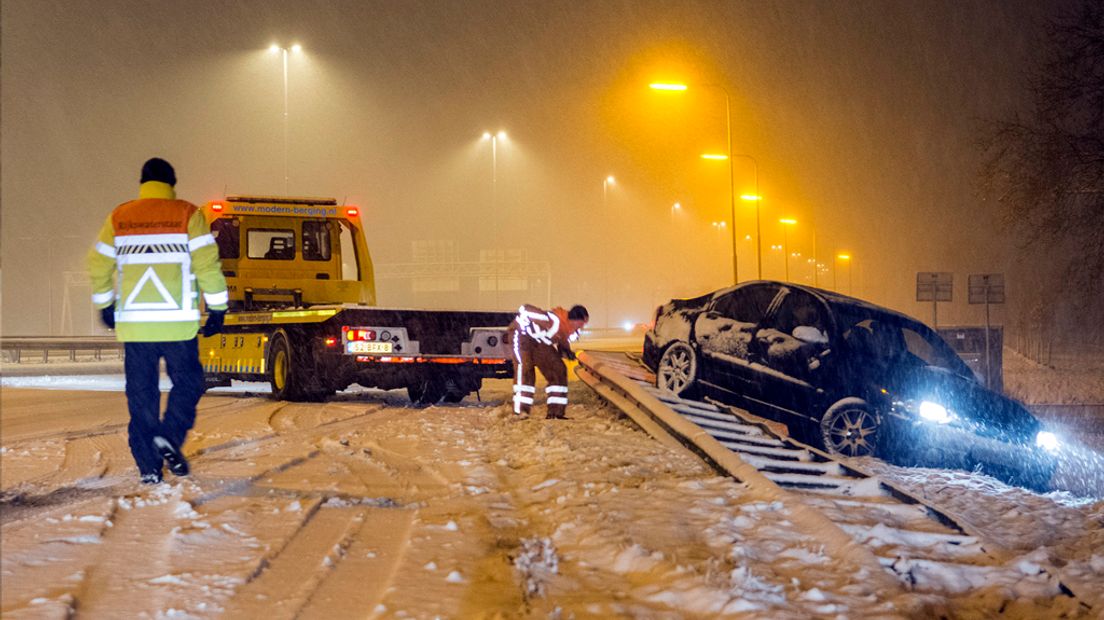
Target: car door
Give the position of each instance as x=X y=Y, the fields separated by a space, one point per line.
x=723 y=334
x=789 y=354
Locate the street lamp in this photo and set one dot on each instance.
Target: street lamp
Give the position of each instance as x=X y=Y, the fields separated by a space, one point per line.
x=274 y=48
x=493 y=138
x=731 y=171
x=606 y=184
x=786 y=223
x=843 y=257
x=757 y=199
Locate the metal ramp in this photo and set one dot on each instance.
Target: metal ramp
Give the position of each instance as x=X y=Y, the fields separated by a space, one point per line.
x=926 y=548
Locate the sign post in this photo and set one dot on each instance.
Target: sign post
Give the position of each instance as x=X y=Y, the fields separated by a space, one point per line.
x=934 y=286
x=986 y=288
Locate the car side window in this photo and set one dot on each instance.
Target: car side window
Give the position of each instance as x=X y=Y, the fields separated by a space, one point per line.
x=794 y=338
x=747 y=304
x=726 y=330
x=801 y=313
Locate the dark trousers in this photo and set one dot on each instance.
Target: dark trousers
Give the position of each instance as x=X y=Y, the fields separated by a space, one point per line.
x=531 y=355
x=144 y=398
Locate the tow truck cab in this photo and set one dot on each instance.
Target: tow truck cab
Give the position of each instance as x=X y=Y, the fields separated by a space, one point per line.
x=291 y=252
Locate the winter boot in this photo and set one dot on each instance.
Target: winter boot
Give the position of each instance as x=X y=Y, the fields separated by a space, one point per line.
x=178 y=465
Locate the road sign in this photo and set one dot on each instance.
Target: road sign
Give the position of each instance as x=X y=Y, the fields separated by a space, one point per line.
x=934 y=285
x=986 y=288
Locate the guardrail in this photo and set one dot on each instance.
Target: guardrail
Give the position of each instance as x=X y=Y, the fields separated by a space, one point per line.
x=14 y=347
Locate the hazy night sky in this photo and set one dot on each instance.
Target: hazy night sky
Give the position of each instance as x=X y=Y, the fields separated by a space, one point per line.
x=862 y=117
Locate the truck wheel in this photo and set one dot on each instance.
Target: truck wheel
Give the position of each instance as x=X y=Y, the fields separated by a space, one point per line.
x=425 y=391
x=454 y=393
x=283 y=373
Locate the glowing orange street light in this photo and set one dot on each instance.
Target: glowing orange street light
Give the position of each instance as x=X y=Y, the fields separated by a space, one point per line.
x=667 y=86
x=757 y=199
x=787 y=222
x=679 y=87
x=843 y=257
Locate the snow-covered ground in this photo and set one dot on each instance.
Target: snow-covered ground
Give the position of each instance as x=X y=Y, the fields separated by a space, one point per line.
x=363 y=506
x=1069 y=380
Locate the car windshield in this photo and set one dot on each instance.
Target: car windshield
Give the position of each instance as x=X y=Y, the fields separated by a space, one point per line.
x=894 y=340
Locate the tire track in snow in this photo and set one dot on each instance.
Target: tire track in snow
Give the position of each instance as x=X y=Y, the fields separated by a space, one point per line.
x=88 y=459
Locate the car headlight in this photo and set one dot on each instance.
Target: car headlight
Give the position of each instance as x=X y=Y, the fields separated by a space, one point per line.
x=1047 y=441
x=925 y=411
x=934 y=412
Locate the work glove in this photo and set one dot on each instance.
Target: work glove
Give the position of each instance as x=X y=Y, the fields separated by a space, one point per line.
x=214 y=323
x=568 y=353
x=107 y=316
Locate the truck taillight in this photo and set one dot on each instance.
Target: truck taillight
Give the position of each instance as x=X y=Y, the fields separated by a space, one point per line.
x=330 y=341
x=352 y=212
x=365 y=335
x=216 y=207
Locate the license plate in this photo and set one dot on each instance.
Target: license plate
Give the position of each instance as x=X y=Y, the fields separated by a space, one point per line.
x=368 y=347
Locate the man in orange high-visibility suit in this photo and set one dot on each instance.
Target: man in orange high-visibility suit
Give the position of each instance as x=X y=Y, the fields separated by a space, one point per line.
x=540 y=339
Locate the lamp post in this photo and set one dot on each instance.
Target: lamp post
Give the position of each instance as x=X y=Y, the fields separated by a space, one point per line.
x=493 y=138
x=731 y=170
x=843 y=257
x=816 y=270
x=284 y=52
x=606 y=184
x=786 y=223
x=758 y=232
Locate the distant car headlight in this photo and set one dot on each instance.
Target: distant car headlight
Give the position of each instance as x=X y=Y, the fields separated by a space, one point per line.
x=1047 y=441
x=934 y=412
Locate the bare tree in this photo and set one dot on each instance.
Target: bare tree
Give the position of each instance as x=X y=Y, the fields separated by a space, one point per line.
x=1046 y=170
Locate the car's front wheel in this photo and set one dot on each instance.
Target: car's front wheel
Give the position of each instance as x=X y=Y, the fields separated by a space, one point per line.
x=677 y=370
x=850 y=428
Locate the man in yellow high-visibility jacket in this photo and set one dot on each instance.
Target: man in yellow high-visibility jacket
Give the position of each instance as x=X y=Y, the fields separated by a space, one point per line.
x=148 y=259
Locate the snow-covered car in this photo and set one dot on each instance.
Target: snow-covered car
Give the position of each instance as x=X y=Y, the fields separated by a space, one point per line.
x=851 y=377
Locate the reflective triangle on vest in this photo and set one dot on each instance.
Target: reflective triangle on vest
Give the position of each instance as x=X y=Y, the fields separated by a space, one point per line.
x=150 y=276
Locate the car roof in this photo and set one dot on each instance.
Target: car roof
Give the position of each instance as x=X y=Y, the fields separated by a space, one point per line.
x=838 y=302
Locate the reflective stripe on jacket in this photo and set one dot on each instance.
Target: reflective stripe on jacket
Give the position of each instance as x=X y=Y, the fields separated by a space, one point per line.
x=549 y=327
x=150 y=255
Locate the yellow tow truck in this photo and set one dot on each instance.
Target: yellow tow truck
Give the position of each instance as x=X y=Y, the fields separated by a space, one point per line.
x=303 y=312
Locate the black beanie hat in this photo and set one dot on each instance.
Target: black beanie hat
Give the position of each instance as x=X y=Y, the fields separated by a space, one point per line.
x=578 y=313
x=158 y=169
